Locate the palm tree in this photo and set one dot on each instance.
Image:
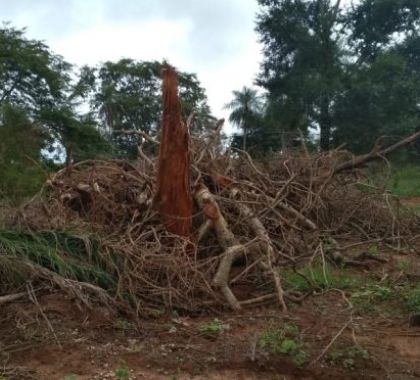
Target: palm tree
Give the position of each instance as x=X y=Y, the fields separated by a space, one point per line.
x=246 y=106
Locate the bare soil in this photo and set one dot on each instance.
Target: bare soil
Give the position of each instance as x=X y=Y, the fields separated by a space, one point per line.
x=58 y=340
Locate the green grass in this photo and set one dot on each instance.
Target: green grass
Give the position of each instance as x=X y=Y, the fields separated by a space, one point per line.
x=70 y=376
x=347 y=357
x=372 y=298
x=122 y=373
x=285 y=341
x=412 y=299
x=68 y=254
x=405 y=181
x=319 y=277
x=216 y=326
x=402 y=181
x=366 y=293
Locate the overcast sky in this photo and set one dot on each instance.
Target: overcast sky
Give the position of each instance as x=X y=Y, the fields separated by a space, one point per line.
x=213 y=38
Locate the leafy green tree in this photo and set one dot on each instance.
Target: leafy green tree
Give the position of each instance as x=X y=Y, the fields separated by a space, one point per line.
x=380 y=99
x=126 y=95
x=21 y=142
x=352 y=72
x=31 y=77
x=76 y=133
x=381 y=95
x=301 y=69
x=377 y=25
x=246 y=109
x=38 y=82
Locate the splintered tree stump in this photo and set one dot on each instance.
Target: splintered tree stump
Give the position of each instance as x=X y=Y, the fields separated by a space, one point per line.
x=173 y=197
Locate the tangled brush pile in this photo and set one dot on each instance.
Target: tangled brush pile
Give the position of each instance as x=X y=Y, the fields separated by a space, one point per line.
x=102 y=228
x=250 y=220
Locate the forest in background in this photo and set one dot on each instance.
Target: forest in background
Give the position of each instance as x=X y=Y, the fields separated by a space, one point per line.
x=350 y=74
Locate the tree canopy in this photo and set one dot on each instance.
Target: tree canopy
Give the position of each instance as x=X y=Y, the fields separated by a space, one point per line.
x=48 y=110
x=349 y=72
x=126 y=95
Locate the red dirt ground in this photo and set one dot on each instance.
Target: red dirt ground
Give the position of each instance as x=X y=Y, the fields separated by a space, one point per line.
x=59 y=341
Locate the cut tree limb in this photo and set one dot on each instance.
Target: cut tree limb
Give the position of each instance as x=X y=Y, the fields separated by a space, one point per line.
x=375 y=154
x=226 y=239
x=11 y=297
x=266 y=245
x=142 y=134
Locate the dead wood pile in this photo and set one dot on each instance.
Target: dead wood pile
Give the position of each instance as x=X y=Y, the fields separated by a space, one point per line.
x=250 y=221
x=198 y=227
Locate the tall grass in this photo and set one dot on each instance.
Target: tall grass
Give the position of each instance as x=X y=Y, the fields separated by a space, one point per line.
x=70 y=255
x=405 y=181
x=401 y=180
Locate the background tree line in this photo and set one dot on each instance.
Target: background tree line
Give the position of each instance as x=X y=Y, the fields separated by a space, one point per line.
x=47 y=107
x=349 y=72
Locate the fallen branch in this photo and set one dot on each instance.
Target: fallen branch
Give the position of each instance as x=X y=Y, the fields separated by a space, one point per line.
x=11 y=297
x=227 y=241
x=142 y=134
x=375 y=154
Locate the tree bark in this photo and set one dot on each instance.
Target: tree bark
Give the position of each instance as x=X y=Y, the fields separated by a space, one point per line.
x=173 y=197
x=375 y=154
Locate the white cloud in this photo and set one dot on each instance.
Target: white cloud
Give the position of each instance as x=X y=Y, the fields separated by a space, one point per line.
x=214 y=39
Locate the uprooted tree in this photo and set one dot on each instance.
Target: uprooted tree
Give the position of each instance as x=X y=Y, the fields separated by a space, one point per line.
x=199 y=227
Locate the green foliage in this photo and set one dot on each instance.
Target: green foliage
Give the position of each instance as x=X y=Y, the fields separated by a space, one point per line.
x=21 y=141
x=318 y=277
x=246 y=108
x=379 y=99
x=370 y=297
x=126 y=95
x=123 y=324
x=404 y=181
x=285 y=341
x=70 y=376
x=301 y=68
x=347 y=357
x=37 y=115
x=374 y=24
x=412 y=300
x=31 y=76
x=71 y=256
x=122 y=373
x=214 y=327
x=351 y=72
x=404 y=265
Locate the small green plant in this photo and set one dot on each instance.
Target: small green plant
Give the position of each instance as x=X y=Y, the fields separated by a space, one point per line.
x=122 y=373
x=412 y=300
x=347 y=357
x=404 y=265
x=70 y=376
x=214 y=327
x=285 y=341
x=288 y=346
x=123 y=324
x=358 y=351
x=318 y=277
x=373 y=250
x=368 y=298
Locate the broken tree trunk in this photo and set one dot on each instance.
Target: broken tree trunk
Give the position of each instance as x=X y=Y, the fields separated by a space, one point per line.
x=173 y=197
x=375 y=154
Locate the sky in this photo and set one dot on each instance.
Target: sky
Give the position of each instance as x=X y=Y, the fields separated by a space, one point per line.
x=213 y=38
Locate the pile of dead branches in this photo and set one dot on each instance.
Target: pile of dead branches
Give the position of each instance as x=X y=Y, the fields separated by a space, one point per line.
x=250 y=220
x=200 y=226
